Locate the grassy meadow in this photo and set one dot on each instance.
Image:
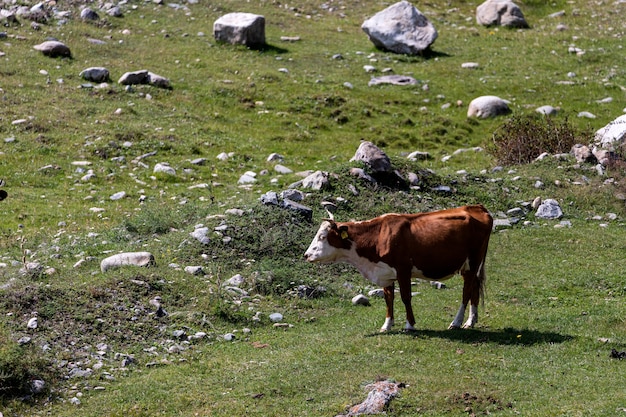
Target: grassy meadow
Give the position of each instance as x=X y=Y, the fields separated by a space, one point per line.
x=555 y=295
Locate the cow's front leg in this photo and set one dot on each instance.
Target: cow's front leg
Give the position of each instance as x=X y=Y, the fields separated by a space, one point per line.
x=405 y=294
x=389 y=295
x=458 y=319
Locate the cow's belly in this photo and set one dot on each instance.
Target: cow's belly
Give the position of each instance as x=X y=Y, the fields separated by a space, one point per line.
x=441 y=274
x=378 y=273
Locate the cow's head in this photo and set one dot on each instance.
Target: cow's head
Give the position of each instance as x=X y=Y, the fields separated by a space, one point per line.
x=328 y=243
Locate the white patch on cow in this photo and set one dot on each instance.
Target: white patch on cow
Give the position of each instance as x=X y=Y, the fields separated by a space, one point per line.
x=387 y=325
x=409 y=327
x=473 y=317
x=319 y=250
x=457 y=323
x=378 y=273
x=458 y=319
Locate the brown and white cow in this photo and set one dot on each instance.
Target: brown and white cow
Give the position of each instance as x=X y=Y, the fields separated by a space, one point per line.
x=397 y=247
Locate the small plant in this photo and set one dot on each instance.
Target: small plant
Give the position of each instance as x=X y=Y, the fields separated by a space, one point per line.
x=521 y=139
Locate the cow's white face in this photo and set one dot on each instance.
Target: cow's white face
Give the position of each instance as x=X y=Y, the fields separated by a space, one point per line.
x=320 y=250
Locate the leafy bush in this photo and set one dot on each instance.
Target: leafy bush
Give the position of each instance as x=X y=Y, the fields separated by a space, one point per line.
x=521 y=139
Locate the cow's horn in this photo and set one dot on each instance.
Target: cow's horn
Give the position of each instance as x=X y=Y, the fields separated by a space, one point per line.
x=329 y=207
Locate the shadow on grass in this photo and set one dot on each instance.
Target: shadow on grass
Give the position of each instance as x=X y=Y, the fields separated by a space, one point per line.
x=270 y=48
x=507 y=336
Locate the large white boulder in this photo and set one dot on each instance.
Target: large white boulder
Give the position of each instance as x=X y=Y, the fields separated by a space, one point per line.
x=613 y=133
x=127 y=258
x=400 y=28
x=240 y=28
x=488 y=106
x=500 y=13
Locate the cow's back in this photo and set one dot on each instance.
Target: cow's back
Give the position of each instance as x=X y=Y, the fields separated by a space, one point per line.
x=438 y=244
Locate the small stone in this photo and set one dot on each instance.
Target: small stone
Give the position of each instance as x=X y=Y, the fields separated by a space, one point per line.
x=118 y=196
x=165 y=168
x=194 y=270
x=276 y=317
x=360 y=300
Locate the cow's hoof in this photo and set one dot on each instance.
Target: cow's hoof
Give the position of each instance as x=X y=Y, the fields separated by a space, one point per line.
x=454 y=327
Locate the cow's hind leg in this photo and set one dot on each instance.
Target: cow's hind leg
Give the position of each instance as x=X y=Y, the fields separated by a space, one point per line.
x=389 y=295
x=471 y=295
x=405 y=294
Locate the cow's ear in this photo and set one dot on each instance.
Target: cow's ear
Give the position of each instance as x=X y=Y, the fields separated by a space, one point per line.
x=343 y=232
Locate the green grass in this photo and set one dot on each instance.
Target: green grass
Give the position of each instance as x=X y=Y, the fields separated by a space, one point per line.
x=553 y=296
x=537 y=349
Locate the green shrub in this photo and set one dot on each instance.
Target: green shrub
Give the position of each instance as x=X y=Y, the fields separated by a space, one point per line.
x=521 y=139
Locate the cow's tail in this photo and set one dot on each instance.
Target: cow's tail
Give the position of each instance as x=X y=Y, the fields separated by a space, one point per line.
x=482 y=275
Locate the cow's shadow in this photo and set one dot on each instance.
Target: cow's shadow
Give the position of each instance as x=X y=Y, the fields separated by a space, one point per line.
x=507 y=336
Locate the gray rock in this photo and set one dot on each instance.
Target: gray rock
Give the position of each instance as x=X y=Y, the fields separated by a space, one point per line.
x=88 y=14
x=400 y=28
x=240 y=28
x=583 y=154
x=235 y=280
x=37 y=386
x=378 y=292
x=316 y=181
x=118 y=196
x=549 y=209
x=499 y=224
x=275 y=157
x=373 y=157
x=614 y=133
x=114 y=11
x=95 y=74
x=418 y=156
x=143 y=259
x=392 y=79
x=547 y=110
x=488 y=106
x=54 y=49
x=281 y=169
x=586 y=115
x=276 y=317
x=164 y=168
x=292 y=194
x=305 y=211
x=361 y=174
x=200 y=234
x=269 y=198
x=158 y=81
x=604 y=156
x=247 y=178
x=500 y=13
x=414 y=179
x=135 y=78
x=360 y=300
x=194 y=270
